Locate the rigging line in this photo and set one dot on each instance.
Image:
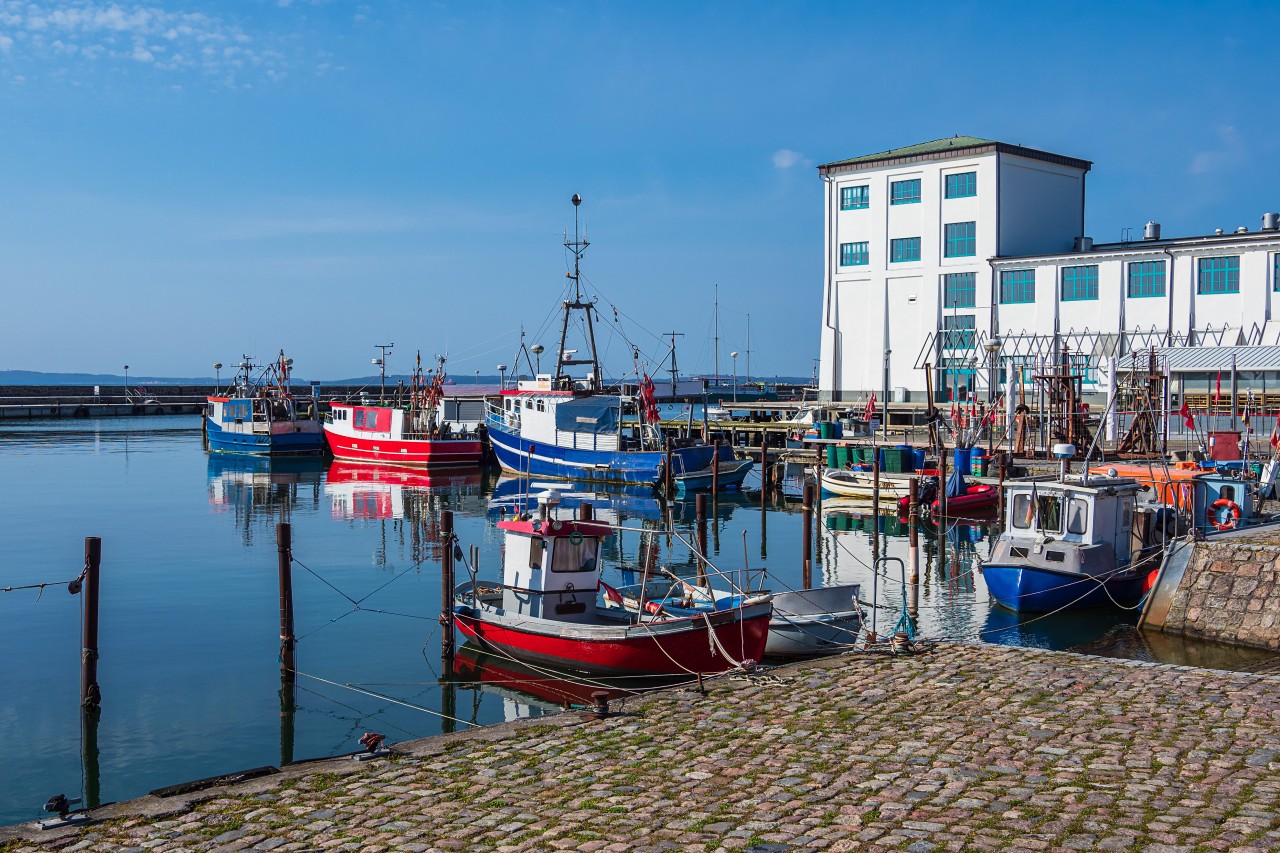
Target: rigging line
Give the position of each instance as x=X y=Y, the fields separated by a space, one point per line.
x=386 y=698
x=360 y=711
x=325 y=625
x=41 y=586
x=391 y=581
x=321 y=579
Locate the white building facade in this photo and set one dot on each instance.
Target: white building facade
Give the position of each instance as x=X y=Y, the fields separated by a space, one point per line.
x=967 y=255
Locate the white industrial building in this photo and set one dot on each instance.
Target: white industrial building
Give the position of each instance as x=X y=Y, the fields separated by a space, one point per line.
x=968 y=255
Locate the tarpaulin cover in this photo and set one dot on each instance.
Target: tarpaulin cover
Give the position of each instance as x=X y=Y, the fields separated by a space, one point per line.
x=588 y=414
x=955 y=485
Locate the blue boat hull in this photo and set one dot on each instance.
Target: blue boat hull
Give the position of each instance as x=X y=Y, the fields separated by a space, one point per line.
x=1032 y=589
x=607 y=466
x=263 y=444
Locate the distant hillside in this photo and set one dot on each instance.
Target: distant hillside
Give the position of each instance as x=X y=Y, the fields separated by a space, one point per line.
x=35 y=377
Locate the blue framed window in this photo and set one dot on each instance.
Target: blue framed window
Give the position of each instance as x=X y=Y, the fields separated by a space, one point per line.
x=1146 y=278
x=1275 y=274
x=1219 y=275
x=1017 y=286
x=905 y=192
x=958 y=290
x=854 y=198
x=962 y=240
x=959 y=331
x=962 y=185
x=1079 y=283
x=853 y=254
x=904 y=249
x=957 y=378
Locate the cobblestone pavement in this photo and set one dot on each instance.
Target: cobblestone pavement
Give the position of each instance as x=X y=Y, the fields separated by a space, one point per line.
x=972 y=747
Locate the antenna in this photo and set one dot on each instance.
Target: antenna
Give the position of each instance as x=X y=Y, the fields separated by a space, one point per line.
x=382 y=367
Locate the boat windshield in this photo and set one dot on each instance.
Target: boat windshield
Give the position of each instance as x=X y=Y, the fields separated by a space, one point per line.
x=568 y=557
x=1045 y=513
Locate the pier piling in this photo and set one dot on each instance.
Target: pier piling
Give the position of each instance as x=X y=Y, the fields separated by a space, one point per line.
x=913 y=546
x=700 y=513
x=806 y=537
x=875 y=504
x=284 y=558
x=446 y=588
x=90 y=694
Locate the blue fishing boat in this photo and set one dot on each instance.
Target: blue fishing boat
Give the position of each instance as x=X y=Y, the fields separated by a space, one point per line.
x=729 y=473
x=260 y=414
x=1080 y=542
x=557 y=425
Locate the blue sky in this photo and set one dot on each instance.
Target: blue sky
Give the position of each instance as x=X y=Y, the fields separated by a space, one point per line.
x=182 y=183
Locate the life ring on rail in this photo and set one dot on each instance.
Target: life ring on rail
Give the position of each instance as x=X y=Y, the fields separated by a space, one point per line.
x=1233 y=514
x=575 y=538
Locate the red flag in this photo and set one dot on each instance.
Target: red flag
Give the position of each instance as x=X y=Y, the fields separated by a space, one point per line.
x=1275 y=433
x=955 y=412
x=870 y=411
x=1185 y=412
x=1217 y=389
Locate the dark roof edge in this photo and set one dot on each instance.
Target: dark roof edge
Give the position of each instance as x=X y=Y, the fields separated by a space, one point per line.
x=951 y=153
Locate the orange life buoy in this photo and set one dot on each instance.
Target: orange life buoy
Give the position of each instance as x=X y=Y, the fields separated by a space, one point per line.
x=1233 y=514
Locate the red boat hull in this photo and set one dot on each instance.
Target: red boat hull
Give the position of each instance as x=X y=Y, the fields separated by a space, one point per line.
x=667 y=653
x=978 y=499
x=416 y=453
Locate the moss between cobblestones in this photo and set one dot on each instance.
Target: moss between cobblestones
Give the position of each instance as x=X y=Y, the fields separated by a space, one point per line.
x=975 y=747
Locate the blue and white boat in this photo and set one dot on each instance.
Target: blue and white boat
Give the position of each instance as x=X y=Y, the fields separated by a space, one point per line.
x=556 y=425
x=729 y=473
x=261 y=415
x=1080 y=542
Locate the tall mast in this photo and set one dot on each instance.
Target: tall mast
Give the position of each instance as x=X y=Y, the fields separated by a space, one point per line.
x=674 y=371
x=716 y=316
x=748 y=349
x=578 y=246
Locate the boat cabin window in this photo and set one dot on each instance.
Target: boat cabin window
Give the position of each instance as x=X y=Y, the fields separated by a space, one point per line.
x=508 y=405
x=568 y=557
x=1049 y=513
x=1078 y=516
x=1227 y=493
x=528 y=404
x=1020 y=514
x=536 y=549
x=542 y=407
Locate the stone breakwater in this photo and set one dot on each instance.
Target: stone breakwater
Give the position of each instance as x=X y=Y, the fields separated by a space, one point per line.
x=1229 y=591
x=972 y=747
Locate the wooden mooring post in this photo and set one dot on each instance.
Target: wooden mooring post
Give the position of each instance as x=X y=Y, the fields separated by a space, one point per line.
x=806 y=537
x=90 y=693
x=446 y=590
x=700 y=513
x=288 y=642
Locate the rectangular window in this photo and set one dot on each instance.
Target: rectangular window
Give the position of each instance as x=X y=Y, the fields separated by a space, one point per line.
x=1079 y=283
x=959 y=331
x=1219 y=275
x=1017 y=286
x=962 y=185
x=853 y=254
x=853 y=198
x=905 y=192
x=1146 y=278
x=904 y=249
x=962 y=241
x=958 y=290
x=1275 y=274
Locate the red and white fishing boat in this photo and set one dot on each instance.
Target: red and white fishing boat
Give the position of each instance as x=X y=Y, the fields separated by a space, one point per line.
x=415 y=434
x=549 y=609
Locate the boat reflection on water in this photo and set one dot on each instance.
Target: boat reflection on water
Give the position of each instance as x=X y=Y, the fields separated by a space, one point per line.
x=515 y=495
x=367 y=490
x=405 y=502
x=528 y=691
x=263 y=489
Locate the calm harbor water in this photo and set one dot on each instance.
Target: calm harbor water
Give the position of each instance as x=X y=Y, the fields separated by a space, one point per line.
x=189 y=643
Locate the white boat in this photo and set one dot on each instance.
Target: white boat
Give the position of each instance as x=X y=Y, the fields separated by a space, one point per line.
x=805 y=623
x=861 y=484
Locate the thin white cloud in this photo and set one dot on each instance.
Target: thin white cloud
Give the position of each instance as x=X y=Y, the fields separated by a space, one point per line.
x=785 y=158
x=59 y=35
x=1229 y=154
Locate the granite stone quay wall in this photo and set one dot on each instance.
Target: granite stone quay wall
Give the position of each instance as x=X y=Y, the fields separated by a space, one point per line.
x=1228 y=591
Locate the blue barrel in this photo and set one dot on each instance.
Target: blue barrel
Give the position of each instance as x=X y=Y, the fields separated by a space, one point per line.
x=837 y=429
x=960 y=463
x=978 y=461
x=917 y=458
